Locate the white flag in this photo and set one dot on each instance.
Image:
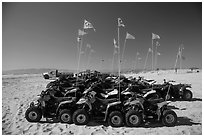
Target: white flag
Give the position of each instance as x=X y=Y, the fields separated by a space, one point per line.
x=88 y=25
x=81 y=32
x=158 y=53
x=139 y=58
x=155 y=36
x=120 y=23
x=129 y=36
x=150 y=50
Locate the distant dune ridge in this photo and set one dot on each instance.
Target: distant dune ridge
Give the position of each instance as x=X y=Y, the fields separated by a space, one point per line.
x=19 y=90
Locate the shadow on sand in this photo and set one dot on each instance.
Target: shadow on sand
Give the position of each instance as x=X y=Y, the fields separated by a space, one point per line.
x=179 y=99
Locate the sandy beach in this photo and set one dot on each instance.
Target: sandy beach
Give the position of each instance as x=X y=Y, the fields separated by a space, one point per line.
x=19 y=90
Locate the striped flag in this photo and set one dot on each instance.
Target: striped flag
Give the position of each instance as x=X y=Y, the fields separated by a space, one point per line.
x=81 y=32
x=155 y=36
x=120 y=23
x=88 y=25
x=129 y=36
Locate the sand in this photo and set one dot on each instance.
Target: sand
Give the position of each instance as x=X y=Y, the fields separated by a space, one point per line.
x=19 y=90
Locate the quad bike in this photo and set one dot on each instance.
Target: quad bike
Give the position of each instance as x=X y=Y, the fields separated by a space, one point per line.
x=97 y=105
x=176 y=91
x=139 y=109
x=60 y=107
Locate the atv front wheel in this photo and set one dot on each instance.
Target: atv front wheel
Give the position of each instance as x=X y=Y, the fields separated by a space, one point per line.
x=33 y=114
x=80 y=117
x=133 y=118
x=65 y=116
x=115 y=119
x=169 y=118
x=187 y=95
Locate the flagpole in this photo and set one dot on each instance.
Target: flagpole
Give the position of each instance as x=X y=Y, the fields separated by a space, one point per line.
x=123 y=51
x=113 y=62
x=146 y=59
x=176 y=60
x=155 y=58
x=136 y=61
x=119 y=59
x=79 y=58
x=89 y=56
x=152 y=55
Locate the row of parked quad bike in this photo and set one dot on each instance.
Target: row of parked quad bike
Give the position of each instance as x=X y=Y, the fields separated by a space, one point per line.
x=118 y=101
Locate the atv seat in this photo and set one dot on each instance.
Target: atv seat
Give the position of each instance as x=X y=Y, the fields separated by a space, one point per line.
x=155 y=101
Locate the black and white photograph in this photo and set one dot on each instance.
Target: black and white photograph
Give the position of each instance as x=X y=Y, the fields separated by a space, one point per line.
x=101 y=68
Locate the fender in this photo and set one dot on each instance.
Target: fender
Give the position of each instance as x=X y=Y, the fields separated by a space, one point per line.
x=160 y=106
x=148 y=93
x=62 y=103
x=135 y=102
x=109 y=106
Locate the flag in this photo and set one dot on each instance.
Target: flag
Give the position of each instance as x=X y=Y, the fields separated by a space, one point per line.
x=81 y=32
x=150 y=50
x=155 y=36
x=157 y=43
x=138 y=53
x=129 y=36
x=115 y=44
x=88 y=25
x=120 y=23
x=88 y=46
x=139 y=58
x=78 y=39
x=158 y=53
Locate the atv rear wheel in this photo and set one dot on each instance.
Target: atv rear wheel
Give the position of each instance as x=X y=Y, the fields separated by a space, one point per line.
x=187 y=95
x=169 y=118
x=33 y=114
x=133 y=118
x=65 y=116
x=80 y=117
x=115 y=119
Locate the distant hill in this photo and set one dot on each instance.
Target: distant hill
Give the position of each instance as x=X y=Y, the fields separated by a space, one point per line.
x=30 y=71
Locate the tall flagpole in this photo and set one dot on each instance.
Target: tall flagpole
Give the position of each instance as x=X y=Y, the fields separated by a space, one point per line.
x=113 y=62
x=176 y=59
x=155 y=57
x=152 y=56
x=181 y=52
x=79 y=58
x=123 y=51
x=136 y=61
x=89 y=56
x=146 y=59
x=119 y=59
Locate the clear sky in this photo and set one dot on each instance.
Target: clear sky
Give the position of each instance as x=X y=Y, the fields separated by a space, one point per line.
x=44 y=35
